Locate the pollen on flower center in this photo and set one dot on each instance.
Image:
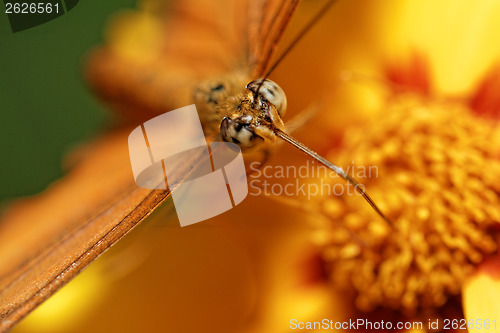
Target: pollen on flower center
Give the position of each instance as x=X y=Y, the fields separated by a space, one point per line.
x=438 y=179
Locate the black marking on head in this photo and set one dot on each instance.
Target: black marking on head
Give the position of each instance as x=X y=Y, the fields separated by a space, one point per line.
x=219 y=87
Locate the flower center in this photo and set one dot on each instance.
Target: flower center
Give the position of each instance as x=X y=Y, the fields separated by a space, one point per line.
x=438 y=180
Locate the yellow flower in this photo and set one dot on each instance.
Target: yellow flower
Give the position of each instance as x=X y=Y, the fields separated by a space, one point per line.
x=436 y=177
x=431 y=132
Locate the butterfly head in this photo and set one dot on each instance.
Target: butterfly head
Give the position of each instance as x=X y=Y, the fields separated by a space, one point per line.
x=256 y=116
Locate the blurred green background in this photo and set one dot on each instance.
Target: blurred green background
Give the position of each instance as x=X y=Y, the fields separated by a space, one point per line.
x=46 y=108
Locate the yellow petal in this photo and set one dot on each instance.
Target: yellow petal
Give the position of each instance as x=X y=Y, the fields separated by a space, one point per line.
x=481 y=297
x=456 y=35
x=135 y=35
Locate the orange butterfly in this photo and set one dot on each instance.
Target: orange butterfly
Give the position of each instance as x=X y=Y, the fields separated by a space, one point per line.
x=98 y=203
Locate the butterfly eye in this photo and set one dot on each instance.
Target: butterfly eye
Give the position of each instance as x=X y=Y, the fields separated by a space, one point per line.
x=239 y=131
x=271 y=92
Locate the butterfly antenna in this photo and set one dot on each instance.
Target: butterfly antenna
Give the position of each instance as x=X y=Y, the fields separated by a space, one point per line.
x=304 y=31
x=338 y=170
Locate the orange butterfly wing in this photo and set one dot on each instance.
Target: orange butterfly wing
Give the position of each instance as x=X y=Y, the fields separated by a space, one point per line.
x=48 y=239
x=203 y=39
x=267 y=23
